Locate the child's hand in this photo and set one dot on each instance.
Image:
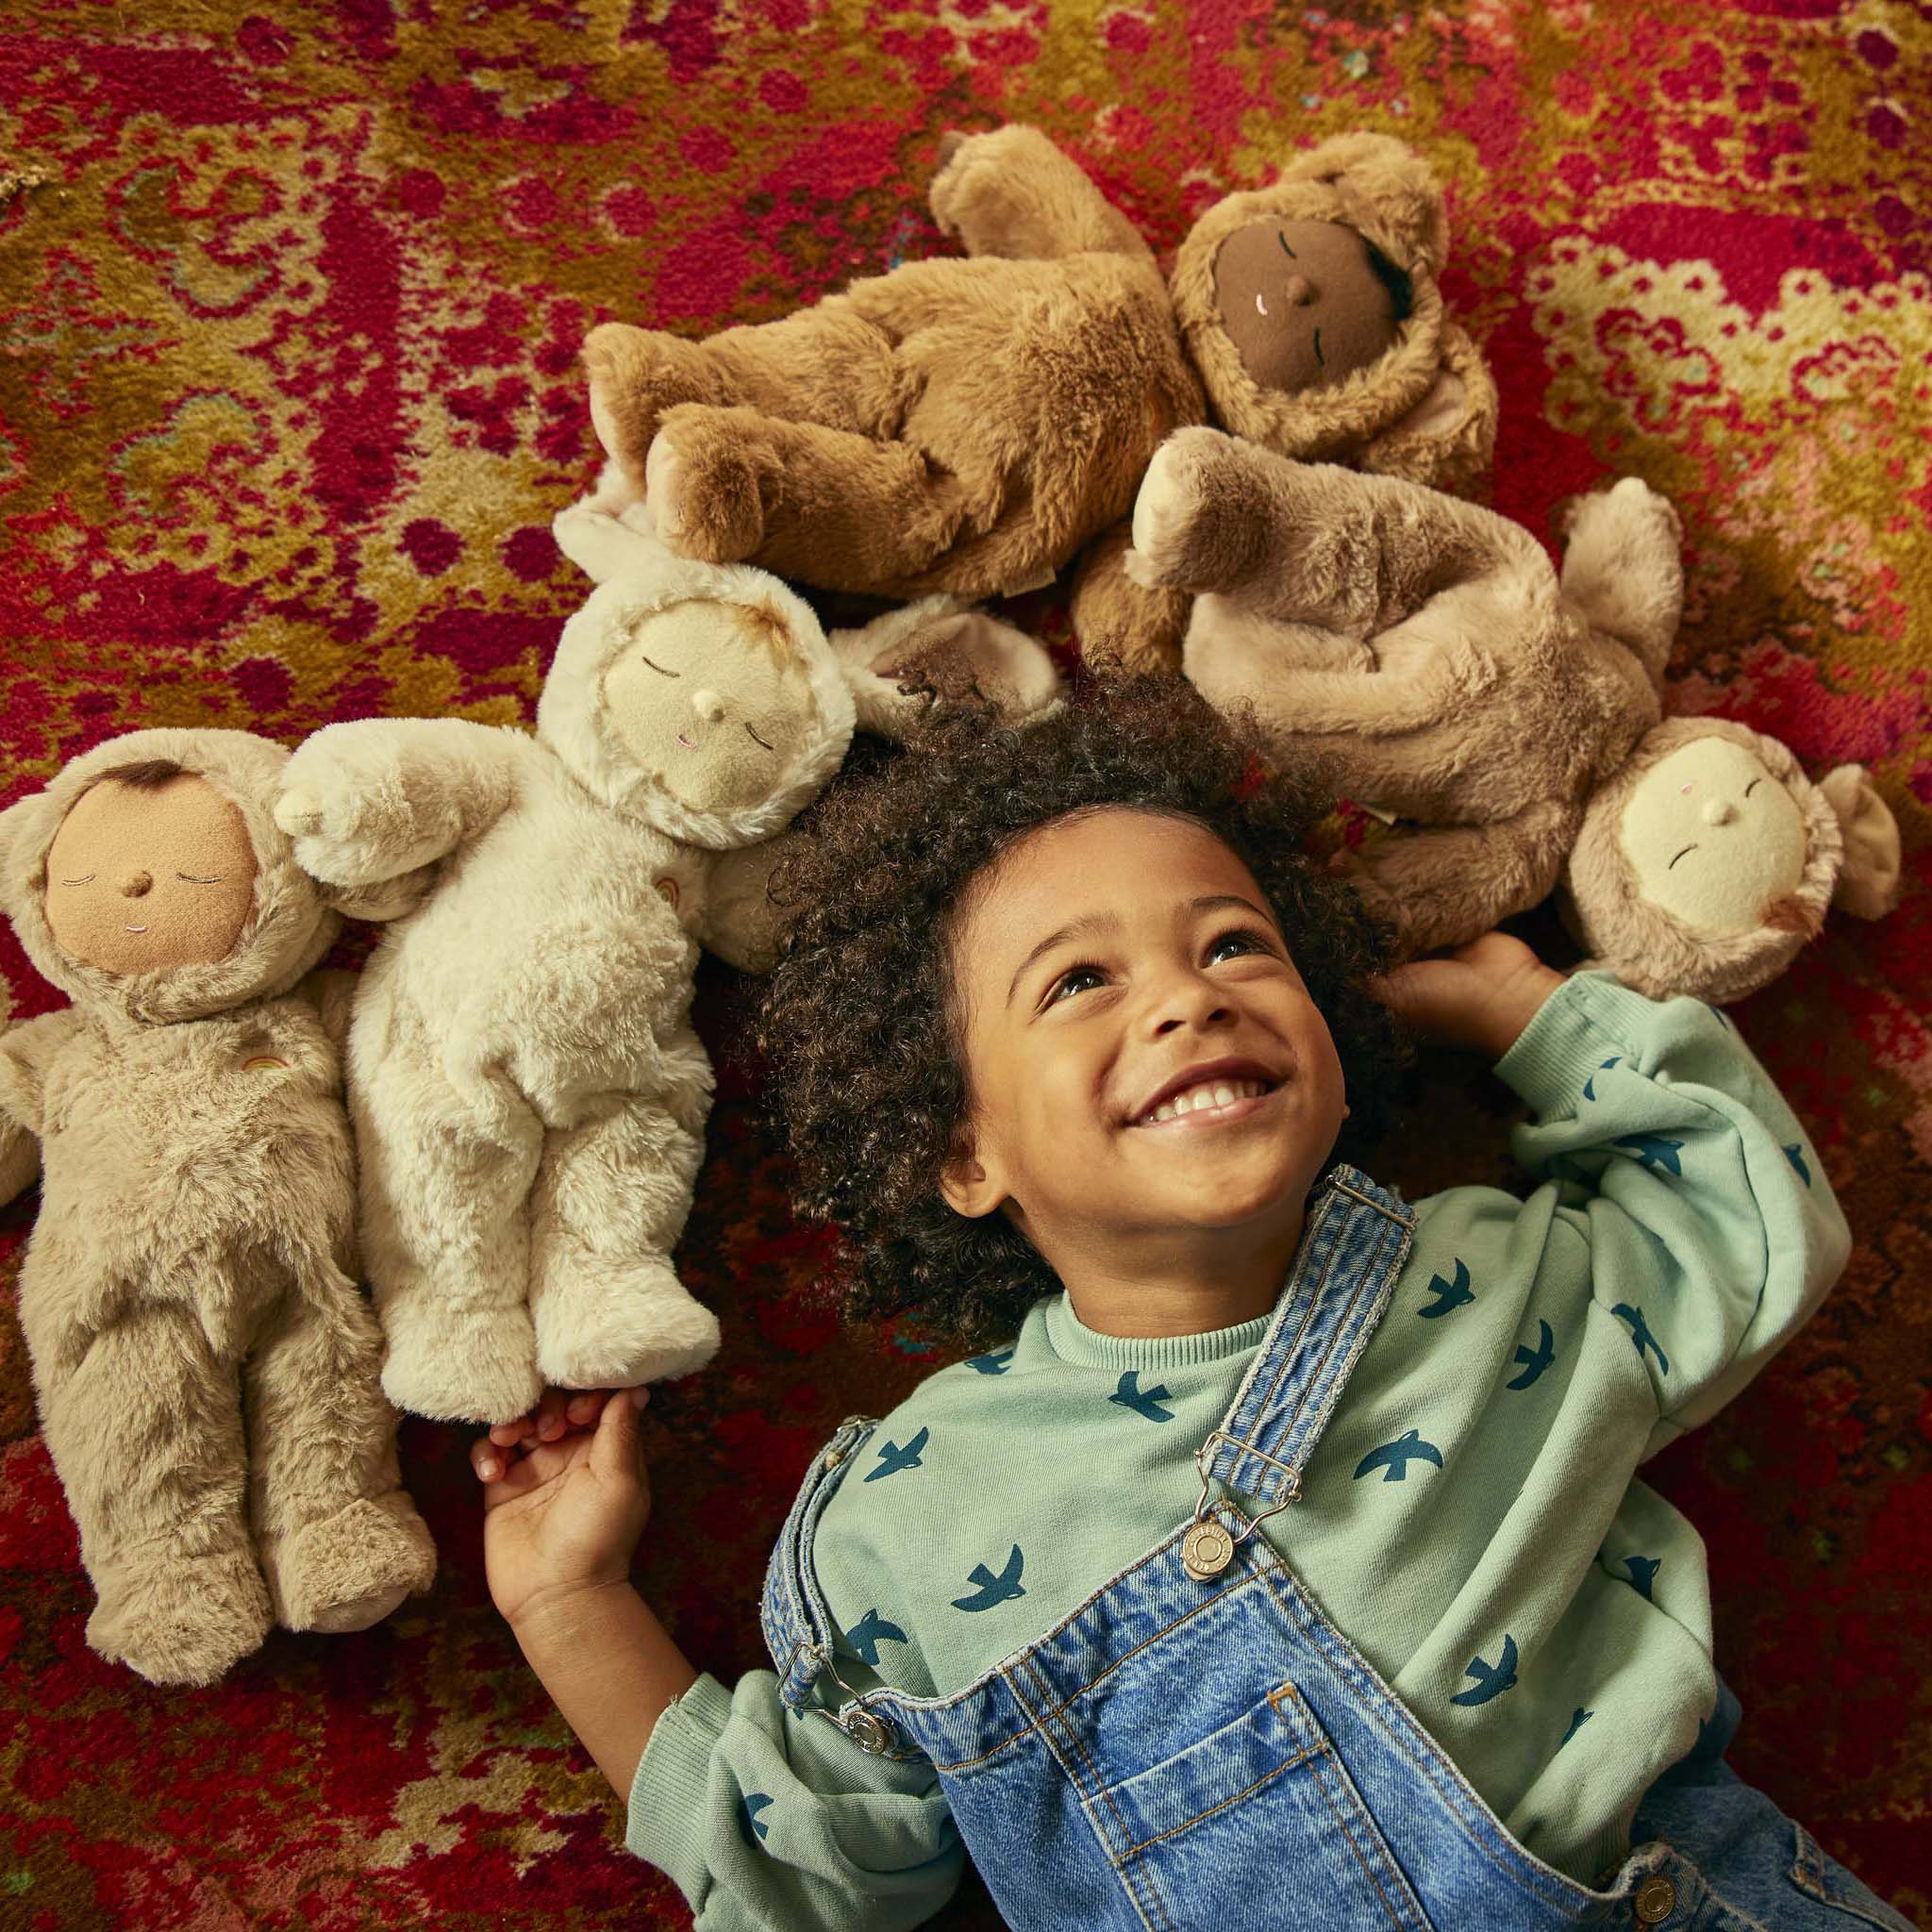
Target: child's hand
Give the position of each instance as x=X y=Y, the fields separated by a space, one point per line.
x=1481 y=995
x=565 y=1497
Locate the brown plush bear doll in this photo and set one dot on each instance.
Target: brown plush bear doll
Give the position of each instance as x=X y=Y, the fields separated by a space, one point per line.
x=969 y=425
x=1425 y=655
x=207 y=1368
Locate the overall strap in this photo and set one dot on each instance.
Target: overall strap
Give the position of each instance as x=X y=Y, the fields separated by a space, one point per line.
x=1352 y=1247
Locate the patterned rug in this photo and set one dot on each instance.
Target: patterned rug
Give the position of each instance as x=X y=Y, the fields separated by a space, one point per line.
x=290 y=302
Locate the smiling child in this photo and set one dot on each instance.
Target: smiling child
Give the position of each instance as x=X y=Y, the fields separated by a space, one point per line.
x=1278 y=1560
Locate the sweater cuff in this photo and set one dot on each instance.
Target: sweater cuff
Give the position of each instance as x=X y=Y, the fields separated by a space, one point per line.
x=667 y=1811
x=1588 y=1017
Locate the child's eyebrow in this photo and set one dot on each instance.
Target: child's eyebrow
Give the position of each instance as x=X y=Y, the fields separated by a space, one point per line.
x=1098 y=921
x=1074 y=929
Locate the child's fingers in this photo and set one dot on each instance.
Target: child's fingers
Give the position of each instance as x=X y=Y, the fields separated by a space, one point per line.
x=551 y=1421
x=614 y=1450
x=585 y=1406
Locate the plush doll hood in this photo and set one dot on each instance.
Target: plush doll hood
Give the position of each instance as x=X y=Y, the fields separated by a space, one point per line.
x=1650 y=949
x=1427 y=410
x=289 y=927
x=637 y=580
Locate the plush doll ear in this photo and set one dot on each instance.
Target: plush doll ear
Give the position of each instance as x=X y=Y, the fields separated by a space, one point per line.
x=604 y=546
x=1872 y=875
x=1402 y=200
x=934 y=652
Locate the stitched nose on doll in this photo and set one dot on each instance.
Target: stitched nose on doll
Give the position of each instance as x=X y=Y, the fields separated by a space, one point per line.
x=137 y=883
x=1719 y=812
x=707 y=704
x=1299 y=290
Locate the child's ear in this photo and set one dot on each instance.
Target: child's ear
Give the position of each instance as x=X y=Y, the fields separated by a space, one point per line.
x=967 y=1184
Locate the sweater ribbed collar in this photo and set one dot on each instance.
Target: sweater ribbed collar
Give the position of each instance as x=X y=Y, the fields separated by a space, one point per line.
x=1073 y=1342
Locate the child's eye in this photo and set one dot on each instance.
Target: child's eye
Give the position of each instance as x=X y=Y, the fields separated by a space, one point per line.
x=1074 y=979
x=1233 y=944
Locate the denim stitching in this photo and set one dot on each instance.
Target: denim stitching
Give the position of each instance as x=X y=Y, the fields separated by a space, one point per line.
x=1348 y=1839
x=1429 y=1764
x=1086 y=1803
x=1267 y=1778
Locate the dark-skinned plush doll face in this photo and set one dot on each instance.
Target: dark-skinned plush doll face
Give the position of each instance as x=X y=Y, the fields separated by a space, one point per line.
x=1307 y=304
x=144 y=876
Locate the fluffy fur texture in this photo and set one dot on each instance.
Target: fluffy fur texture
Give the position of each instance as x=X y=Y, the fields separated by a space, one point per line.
x=207 y=1369
x=969 y=425
x=528 y=1094
x=1851 y=860
x=1422 y=651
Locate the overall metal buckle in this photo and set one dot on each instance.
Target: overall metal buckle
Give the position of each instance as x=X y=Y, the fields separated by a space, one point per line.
x=871 y=1732
x=1207 y=1549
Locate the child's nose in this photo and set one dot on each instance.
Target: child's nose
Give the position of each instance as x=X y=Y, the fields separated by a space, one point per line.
x=707 y=704
x=1189 y=1003
x=135 y=884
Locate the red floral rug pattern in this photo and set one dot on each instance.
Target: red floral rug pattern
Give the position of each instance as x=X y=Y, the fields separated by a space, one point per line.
x=290 y=302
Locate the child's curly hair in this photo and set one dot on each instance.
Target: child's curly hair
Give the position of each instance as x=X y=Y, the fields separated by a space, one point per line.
x=859 y=1023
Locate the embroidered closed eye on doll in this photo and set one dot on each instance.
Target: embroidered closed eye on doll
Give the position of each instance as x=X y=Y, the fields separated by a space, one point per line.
x=207 y=1368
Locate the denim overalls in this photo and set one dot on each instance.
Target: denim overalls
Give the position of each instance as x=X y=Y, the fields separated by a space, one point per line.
x=1205 y=1750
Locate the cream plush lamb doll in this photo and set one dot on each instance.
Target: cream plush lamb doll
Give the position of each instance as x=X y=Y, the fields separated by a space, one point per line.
x=528 y=1094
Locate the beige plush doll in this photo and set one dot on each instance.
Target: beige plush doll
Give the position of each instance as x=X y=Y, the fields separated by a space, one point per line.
x=969 y=425
x=1426 y=654
x=207 y=1368
x=528 y=1094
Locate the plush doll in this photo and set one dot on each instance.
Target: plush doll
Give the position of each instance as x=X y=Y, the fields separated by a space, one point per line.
x=207 y=1368
x=528 y=1094
x=968 y=425
x=1426 y=655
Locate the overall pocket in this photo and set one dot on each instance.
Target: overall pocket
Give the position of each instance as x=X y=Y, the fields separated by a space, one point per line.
x=1259 y=1823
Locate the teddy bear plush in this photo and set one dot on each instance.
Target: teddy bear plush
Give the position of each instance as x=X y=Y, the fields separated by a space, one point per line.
x=207 y=1370
x=1509 y=721
x=528 y=1094
x=969 y=425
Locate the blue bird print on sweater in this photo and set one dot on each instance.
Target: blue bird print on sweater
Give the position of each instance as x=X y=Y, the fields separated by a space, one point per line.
x=1491 y=1679
x=1641 y=1335
x=1535 y=1360
x=892 y=1458
x=867 y=1634
x=993 y=1589
x=1449 y=1295
x=1656 y=1152
x=994 y=1362
x=1643 y=1574
x=1146 y=1401
x=1393 y=1459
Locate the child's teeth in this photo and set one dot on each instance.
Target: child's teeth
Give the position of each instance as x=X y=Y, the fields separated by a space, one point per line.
x=1224 y=1096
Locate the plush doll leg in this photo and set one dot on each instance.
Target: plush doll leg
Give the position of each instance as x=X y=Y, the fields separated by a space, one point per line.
x=1124 y=627
x=1311 y=542
x=144 y=1421
x=445 y=1180
x=1448 y=887
x=612 y=1202
x=340 y=1541
x=1623 y=568
x=838 y=509
x=826 y=364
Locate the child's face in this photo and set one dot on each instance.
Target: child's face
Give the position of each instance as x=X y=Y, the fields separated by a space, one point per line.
x=1143 y=1064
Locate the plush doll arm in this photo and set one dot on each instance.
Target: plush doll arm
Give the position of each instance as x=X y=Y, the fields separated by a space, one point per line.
x=24 y=1052
x=372 y=801
x=739 y=922
x=1013 y=193
x=940 y=652
x=1124 y=624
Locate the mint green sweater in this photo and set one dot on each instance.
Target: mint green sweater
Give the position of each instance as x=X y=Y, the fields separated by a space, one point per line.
x=1542 y=1348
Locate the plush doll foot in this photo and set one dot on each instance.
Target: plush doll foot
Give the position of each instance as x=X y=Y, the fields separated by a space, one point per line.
x=702 y=491
x=1623 y=566
x=478 y=1366
x=1199 y=524
x=352 y=1569
x=605 y=1326
x=636 y=375
x=181 y=1620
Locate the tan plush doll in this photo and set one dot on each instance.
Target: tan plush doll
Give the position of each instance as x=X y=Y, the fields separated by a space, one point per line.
x=969 y=425
x=1423 y=652
x=529 y=1095
x=207 y=1368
